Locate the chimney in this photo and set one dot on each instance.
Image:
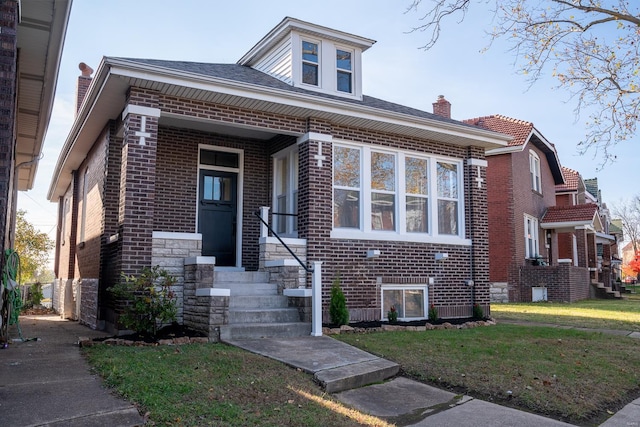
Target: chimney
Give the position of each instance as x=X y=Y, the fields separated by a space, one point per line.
x=442 y=107
x=83 y=83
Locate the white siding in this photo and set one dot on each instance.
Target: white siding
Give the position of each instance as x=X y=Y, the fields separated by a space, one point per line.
x=277 y=62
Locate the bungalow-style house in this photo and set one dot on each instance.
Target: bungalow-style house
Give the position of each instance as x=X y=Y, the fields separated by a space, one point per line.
x=32 y=35
x=168 y=162
x=521 y=182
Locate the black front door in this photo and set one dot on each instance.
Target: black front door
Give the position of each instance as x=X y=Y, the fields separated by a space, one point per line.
x=217 y=215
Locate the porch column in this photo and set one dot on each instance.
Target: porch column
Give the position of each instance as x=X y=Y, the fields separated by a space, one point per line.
x=477 y=225
x=592 y=250
x=581 y=244
x=137 y=179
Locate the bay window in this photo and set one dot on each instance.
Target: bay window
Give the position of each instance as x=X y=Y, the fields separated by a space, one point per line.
x=378 y=192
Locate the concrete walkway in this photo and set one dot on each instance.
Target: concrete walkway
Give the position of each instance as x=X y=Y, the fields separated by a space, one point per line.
x=346 y=371
x=46 y=382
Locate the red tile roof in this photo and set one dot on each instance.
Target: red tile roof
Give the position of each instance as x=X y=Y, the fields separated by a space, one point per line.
x=572 y=179
x=577 y=213
x=519 y=129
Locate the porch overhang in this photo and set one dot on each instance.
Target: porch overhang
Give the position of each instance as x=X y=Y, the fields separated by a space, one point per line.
x=40 y=37
x=106 y=97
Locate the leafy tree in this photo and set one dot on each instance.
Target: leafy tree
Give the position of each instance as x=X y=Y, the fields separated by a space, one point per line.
x=629 y=212
x=634 y=264
x=33 y=248
x=592 y=48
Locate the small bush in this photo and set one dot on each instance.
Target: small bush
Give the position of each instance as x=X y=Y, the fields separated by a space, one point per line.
x=392 y=314
x=150 y=301
x=433 y=313
x=338 y=311
x=478 y=313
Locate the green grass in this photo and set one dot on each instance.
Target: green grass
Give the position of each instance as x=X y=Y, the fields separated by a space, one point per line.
x=217 y=385
x=596 y=314
x=567 y=374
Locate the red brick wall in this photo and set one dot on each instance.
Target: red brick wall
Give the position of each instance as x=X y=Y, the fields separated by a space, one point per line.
x=564 y=200
x=565 y=246
x=564 y=282
x=502 y=239
x=89 y=249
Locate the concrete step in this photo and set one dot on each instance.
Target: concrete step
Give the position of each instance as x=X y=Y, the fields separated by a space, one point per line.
x=258 y=301
x=248 y=288
x=240 y=276
x=264 y=330
x=356 y=375
x=264 y=315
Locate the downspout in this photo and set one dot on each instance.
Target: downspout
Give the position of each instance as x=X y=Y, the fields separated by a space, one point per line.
x=14 y=208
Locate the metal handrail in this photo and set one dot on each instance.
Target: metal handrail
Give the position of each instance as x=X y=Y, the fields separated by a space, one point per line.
x=306 y=268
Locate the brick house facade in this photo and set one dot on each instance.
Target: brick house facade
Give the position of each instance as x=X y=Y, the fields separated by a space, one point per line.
x=170 y=160
x=521 y=182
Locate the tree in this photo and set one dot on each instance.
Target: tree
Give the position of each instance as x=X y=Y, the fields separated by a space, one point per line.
x=629 y=212
x=33 y=248
x=592 y=48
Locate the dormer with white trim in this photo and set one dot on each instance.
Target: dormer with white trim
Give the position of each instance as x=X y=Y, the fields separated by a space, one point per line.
x=311 y=57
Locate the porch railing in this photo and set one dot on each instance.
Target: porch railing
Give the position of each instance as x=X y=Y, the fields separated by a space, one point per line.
x=315 y=270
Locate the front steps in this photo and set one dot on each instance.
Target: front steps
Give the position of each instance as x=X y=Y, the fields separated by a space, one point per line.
x=605 y=292
x=256 y=310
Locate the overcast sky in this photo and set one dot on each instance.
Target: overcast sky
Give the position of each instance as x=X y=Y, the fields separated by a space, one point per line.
x=394 y=69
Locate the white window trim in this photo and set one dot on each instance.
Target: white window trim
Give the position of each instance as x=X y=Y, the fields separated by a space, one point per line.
x=425 y=304
x=290 y=154
x=327 y=71
x=240 y=171
x=534 y=170
x=536 y=238
x=365 y=232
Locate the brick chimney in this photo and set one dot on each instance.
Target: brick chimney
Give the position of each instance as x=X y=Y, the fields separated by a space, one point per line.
x=442 y=107
x=83 y=83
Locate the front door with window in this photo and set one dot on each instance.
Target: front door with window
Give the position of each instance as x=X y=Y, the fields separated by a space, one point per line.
x=217 y=215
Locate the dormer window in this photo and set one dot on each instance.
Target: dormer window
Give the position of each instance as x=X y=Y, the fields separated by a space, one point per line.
x=344 y=71
x=310 y=63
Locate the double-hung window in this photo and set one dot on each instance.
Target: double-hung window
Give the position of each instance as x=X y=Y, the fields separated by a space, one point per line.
x=344 y=74
x=534 y=169
x=285 y=203
x=383 y=196
x=310 y=63
x=395 y=195
x=346 y=187
x=532 y=244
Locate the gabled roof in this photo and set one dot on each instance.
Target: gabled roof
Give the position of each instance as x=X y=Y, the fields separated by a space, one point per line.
x=523 y=133
x=585 y=215
x=572 y=181
x=241 y=86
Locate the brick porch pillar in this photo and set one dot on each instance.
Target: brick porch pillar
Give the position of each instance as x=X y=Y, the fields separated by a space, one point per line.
x=137 y=179
x=592 y=251
x=581 y=244
x=477 y=224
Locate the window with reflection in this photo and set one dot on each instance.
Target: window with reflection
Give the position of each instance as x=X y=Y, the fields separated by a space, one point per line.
x=383 y=184
x=346 y=192
x=417 y=194
x=310 y=63
x=447 y=175
x=344 y=71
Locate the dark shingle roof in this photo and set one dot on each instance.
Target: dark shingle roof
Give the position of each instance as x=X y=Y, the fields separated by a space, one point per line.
x=248 y=75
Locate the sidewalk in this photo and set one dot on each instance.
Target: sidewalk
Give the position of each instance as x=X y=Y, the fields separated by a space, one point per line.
x=45 y=381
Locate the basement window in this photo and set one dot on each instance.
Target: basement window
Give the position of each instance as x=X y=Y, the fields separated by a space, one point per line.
x=409 y=301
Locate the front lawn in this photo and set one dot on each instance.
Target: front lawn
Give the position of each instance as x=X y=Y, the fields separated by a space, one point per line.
x=217 y=385
x=566 y=374
x=595 y=313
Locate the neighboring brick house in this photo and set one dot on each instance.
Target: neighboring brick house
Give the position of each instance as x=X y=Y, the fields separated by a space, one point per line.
x=586 y=235
x=521 y=180
x=169 y=160
x=31 y=38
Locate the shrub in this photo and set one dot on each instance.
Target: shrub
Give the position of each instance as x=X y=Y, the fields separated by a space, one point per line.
x=338 y=305
x=392 y=314
x=433 y=313
x=478 y=313
x=149 y=300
